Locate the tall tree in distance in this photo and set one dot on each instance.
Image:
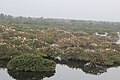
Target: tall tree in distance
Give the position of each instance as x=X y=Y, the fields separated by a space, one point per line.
x=2 y=16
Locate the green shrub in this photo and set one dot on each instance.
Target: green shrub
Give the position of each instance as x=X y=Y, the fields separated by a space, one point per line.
x=31 y=62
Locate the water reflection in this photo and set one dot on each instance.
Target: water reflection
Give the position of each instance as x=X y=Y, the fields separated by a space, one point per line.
x=29 y=75
x=95 y=70
x=86 y=67
x=3 y=63
x=75 y=68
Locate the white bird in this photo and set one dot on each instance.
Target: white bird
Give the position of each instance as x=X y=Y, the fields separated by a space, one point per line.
x=118 y=34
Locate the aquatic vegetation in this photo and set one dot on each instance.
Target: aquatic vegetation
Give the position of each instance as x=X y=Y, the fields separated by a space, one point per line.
x=59 y=38
x=31 y=62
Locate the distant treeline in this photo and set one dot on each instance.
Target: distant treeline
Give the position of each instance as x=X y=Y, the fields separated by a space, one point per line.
x=85 y=25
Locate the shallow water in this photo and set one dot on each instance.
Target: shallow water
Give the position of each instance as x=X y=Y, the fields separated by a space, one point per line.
x=65 y=71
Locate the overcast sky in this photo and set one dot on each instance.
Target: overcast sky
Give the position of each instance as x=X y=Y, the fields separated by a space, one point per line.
x=105 y=10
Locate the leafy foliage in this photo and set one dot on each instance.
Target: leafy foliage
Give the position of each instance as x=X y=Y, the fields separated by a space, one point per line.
x=30 y=62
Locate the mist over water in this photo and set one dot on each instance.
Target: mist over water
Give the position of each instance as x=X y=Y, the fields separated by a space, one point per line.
x=100 y=10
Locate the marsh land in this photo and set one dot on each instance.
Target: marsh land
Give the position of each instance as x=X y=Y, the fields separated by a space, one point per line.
x=38 y=44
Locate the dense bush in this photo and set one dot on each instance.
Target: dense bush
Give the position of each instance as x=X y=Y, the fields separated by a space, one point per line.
x=31 y=62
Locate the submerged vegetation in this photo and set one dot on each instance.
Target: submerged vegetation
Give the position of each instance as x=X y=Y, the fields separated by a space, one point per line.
x=21 y=37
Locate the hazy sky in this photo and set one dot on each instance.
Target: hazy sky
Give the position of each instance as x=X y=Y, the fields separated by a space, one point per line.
x=105 y=10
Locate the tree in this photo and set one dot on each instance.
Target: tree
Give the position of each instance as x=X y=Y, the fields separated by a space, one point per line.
x=2 y=16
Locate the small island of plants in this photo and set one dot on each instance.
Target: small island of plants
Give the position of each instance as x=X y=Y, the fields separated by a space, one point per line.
x=31 y=62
